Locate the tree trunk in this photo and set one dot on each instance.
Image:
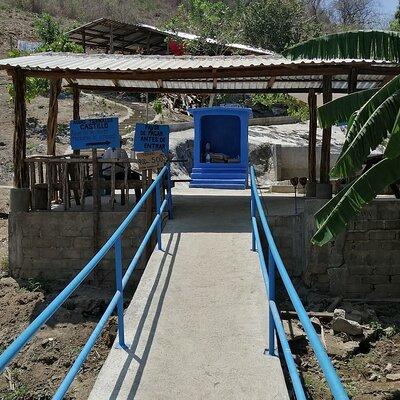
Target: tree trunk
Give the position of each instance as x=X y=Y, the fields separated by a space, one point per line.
x=55 y=89
x=312 y=137
x=326 y=134
x=19 y=142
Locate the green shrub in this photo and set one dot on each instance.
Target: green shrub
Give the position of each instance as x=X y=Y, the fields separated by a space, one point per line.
x=295 y=108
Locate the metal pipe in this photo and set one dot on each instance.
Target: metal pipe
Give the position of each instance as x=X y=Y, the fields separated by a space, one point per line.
x=271 y=287
x=329 y=371
x=118 y=281
x=287 y=353
x=41 y=319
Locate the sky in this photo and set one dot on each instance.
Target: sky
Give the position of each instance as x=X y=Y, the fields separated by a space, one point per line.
x=389 y=6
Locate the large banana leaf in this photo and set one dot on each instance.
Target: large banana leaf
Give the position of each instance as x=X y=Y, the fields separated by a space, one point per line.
x=333 y=218
x=393 y=146
x=369 y=108
x=372 y=44
x=341 y=109
x=370 y=136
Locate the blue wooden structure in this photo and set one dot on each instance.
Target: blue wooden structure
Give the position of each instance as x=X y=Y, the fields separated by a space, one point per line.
x=220 y=147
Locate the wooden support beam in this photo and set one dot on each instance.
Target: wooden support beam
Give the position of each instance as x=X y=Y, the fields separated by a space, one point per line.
x=55 y=89
x=312 y=137
x=19 y=142
x=111 y=39
x=76 y=103
x=326 y=133
x=352 y=80
x=84 y=40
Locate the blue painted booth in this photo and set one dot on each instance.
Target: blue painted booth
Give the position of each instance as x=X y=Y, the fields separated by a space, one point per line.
x=220 y=147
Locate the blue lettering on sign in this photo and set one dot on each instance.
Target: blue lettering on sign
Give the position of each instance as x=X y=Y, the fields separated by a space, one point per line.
x=151 y=137
x=99 y=133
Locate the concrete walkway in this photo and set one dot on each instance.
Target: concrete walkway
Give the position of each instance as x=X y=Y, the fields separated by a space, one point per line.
x=197 y=324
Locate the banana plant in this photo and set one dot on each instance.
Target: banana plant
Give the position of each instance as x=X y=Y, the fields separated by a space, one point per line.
x=373 y=119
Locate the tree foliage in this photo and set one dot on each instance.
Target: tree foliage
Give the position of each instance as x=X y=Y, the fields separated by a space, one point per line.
x=213 y=20
x=53 y=38
x=372 y=118
x=277 y=24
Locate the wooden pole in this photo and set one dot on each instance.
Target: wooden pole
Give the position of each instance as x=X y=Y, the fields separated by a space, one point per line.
x=19 y=142
x=326 y=133
x=352 y=80
x=55 y=89
x=111 y=39
x=84 y=40
x=312 y=137
x=76 y=103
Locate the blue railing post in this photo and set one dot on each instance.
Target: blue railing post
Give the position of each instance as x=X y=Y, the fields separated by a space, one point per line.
x=169 y=195
x=118 y=280
x=271 y=292
x=158 y=207
x=253 y=215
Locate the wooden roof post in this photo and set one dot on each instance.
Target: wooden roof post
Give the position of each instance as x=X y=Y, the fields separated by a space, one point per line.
x=352 y=80
x=84 y=40
x=55 y=89
x=76 y=103
x=111 y=39
x=312 y=143
x=19 y=143
x=326 y=133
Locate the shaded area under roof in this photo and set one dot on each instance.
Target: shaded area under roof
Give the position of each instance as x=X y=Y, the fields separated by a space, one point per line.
x=142 y=38
x=201 y=74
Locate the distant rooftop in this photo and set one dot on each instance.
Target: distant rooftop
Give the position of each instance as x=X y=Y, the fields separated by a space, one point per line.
x=111 y=36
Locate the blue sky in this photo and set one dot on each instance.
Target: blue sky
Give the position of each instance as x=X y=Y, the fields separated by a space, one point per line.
x=389 y=6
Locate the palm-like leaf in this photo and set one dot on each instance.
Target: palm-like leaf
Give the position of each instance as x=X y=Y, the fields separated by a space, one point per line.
x=370 y=136
x=393 y=147
x=333 y=218
x=369 y=108
x=382 y=45
x=341 y=110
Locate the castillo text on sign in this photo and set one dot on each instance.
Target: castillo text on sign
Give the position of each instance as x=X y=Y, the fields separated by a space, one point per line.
x=151 y=137
x=99 y=133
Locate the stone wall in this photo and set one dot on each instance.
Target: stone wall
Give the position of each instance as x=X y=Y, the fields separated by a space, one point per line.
x=57 y=245
x=364 y=262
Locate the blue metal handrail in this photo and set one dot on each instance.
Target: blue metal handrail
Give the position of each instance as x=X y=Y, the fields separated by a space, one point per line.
x=121 y=281
x=275 y=323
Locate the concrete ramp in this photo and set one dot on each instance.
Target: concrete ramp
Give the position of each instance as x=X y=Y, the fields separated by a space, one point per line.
x=197 y=325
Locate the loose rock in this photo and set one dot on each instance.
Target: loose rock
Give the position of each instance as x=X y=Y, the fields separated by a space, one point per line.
x=341 y=324
x=393 y=377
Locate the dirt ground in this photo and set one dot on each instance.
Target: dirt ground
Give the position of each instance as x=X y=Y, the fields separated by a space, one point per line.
x=39 y=369
x=365 y=363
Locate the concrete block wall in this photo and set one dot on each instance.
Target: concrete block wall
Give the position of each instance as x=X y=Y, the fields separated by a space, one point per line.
x=363 y=262
x=57 y=245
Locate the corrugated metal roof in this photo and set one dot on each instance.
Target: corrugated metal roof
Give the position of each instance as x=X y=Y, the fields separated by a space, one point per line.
x=152 y=39
x=129 y=63
x=234 y=72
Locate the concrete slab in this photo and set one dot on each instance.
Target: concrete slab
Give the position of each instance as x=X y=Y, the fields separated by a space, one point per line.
x=197 y=325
